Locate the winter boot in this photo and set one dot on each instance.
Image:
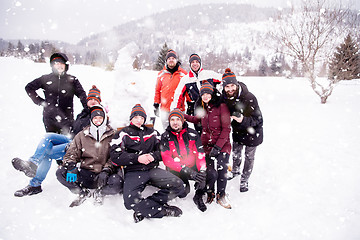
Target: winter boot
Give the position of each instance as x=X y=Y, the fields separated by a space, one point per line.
x=138 y=217
x=85 y=193
x=199 y=202
x=28 y=190
x=171 y=211
x=234 y=173
x=210 y=197
x=223 y=200
x=244 y=186
x=27 y=167
x=98 y=197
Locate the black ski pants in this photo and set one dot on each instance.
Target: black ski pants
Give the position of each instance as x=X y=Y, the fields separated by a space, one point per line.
x=151 y=207
x=217 y=172
x=88 y=179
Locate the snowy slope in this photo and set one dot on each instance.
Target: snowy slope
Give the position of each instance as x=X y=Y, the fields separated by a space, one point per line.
x=304 y=184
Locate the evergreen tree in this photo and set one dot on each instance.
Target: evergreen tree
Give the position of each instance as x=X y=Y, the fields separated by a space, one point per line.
x=263 y=67
x=275 y=65
x=10 y=50
x=345 y=63
x=20 y=49
x=247 y=54
x=161 y=58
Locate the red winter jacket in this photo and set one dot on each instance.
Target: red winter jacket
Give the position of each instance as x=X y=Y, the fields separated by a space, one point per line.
x=182 y=148
x=215 y=126
x=166 y=88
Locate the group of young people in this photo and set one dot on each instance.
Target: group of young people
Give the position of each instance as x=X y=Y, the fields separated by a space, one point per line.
x=96 y=160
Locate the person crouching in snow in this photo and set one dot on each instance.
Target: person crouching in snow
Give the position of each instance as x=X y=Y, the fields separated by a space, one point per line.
x=136 y=148
x=215 y=137
x=52 y=147
x=86 y=164
x=184 y=156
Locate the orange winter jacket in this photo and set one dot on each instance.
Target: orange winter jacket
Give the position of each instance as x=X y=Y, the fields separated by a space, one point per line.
x=166 y=88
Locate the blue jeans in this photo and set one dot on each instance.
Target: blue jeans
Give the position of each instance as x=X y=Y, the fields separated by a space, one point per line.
x=52 y=146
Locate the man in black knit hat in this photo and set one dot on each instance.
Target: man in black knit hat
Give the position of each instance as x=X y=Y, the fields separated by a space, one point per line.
x=136 y=149
x=247 y=125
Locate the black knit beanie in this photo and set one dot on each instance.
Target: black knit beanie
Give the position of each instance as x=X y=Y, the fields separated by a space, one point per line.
x=137 y=110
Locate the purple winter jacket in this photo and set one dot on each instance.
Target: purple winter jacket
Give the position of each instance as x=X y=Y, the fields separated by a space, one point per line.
x=215 y=127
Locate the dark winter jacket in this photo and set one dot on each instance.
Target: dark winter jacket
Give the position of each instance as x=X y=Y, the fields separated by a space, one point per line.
x=82 y=120
x=250 y=131
x=131 y=142
x=182 y=148
x=215 y=124
x=59 y=91
x=93 y=155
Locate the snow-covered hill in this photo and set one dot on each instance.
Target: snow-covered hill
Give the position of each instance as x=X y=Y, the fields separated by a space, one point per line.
x=304 y=184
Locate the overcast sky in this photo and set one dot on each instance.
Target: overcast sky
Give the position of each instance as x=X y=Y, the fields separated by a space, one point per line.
x=72 y=20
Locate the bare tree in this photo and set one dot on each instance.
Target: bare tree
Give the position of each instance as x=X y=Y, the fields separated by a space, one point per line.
x=310 y=34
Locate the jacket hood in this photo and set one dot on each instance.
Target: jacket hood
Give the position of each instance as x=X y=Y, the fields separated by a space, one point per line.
x=63 y=56
x=98 y=131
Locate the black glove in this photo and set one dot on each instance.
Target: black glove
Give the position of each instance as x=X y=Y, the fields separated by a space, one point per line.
x=215 y=151
x=103 y=177
x=156 y=109
x=189 y=172
x=193 y=175
x=200 y=176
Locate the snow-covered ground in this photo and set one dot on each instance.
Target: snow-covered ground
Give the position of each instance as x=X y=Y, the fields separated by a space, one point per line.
x=305 y=183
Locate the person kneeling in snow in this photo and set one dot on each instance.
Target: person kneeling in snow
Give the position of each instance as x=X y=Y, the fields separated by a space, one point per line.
x=184 y=156
x=86 y=164
x=136 y=148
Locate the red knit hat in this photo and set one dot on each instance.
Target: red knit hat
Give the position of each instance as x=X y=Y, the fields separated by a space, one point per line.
x=94 y=93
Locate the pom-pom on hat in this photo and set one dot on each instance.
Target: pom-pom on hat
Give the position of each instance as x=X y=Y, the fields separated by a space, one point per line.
x=171 y=53
x=94 y=93
x=229 y=77
x=177 y=113
x=137 y=110
x=206 y=87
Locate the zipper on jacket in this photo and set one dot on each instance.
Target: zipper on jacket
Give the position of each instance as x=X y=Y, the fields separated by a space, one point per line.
x=58 y=94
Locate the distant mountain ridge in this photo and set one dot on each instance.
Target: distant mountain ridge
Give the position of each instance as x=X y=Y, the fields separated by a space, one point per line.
x=168 y=25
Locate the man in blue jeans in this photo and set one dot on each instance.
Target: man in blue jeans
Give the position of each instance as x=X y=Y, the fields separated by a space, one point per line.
x=52 y=147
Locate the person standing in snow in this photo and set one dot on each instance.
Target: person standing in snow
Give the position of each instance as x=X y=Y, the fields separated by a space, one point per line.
x=247 y=125
x=184 y=156
x=59 y=89
x=166 y=89
x=52 y=147
x=191 y=83
x=136 y=149
x=86 y=164
x=215 y=120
